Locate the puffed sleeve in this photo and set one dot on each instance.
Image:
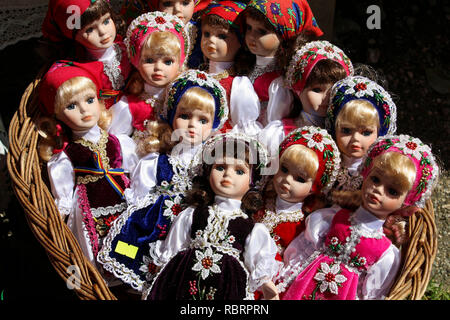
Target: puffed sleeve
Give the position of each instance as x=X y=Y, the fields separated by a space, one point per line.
x=121 y=118
x=143 y=178
x=244 y=107
x=129 y=156
x=271 y=136
x=62 y=182
x=280 y=100
x=178 y=238
x=259 y=256
x=380 y=277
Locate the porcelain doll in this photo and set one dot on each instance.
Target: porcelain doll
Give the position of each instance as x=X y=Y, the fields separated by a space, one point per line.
x=88 y=170
x=157 y=45
x=312 y=71
x=214 y=250
x=97 y=32
x=195 y=107
x=343 y=254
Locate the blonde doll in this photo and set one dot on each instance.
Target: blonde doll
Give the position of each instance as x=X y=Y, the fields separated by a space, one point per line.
x=344 y=254
x=360 y=110
x=88 y=170
x=221 y=44
x=308 y=163
x=157 y=45
x=195 y=107
x=98 y=34
x=311 y=72
x=214 y=251
x=269 y=27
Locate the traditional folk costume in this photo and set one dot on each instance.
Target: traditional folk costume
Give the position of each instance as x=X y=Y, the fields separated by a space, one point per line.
x=214 y=252
x=159 y=184
x=345 y=255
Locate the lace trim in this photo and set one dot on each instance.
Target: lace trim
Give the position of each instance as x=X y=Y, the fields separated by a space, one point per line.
x=105 y=211
x=112 y=69
x=88 y=219
x=347 y=181
x=258 y=71
x=99 y=147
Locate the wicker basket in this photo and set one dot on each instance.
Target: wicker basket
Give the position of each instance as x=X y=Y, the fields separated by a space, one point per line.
x=63 y=250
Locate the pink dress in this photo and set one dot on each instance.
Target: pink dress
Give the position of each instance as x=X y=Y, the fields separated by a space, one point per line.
x=333 y=273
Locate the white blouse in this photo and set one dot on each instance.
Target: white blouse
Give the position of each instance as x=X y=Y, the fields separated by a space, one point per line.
x=259 y=251
x=244 y=102
x=271 y=137
x=122 y=118
x=143 y=178
x=373 y=284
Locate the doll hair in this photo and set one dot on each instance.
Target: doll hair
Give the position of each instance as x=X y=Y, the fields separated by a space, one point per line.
x=201 y=195
x=160 y=132
x=357 y=113
x=303 y=157
x=98 y=9
x=325 y=71
x=397 y=167
x=48 y=127
x=162 y=43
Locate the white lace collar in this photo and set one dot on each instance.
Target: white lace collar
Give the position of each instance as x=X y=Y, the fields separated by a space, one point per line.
x=263 y=61
x=364 y=218
x=185 y=153
x=284 y=206
x=93 y=134
x=219 y=66
x=227 y=204
x=102 y=54
x=351 y=163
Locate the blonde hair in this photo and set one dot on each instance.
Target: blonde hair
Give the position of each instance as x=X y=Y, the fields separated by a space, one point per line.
x=303 y=157
x=47 y=126
x=357 y=113
x=397 y=168
x=159 y=134
x=162 y=43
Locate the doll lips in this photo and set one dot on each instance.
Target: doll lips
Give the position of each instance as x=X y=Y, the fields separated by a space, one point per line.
x=191 y=133
x=373 y=199
x=87 y=118
x=284 y=188
x=105 y=41
x=225 y=183
x=356 y=148
x=157 y=77
x=211 y=50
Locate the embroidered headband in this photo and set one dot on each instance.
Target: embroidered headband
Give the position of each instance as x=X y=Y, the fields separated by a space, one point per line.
x=358 y=87
x=427 y=170
x=147 y=23
x=196 y=78
x=305 y=59
x=229 y=11
x=60 y=72
x=60 y=21
x=289 y=18
x=259 y=157
x=323 y=145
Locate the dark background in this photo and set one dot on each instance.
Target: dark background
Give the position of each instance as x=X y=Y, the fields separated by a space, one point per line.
x=410 y=51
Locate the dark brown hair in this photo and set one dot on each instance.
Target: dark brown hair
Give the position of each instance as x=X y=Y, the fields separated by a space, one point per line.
x=326 y=71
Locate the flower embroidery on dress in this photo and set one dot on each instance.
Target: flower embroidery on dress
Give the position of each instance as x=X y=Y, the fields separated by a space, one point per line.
x=328 y=278
x=207 y=262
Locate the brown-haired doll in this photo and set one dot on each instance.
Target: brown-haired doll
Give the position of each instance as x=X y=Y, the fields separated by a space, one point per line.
x=214 y=251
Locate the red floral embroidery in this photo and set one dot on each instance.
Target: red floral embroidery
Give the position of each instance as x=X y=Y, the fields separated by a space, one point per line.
x=411 y=145
x=160 y=20
x=360 y=87
x=317 y=137
x=176 y=209
x=201 y=76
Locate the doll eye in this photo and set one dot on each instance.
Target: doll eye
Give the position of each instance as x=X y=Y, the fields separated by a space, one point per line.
x=71 y=106
x=204 y=121
x=284 y=169
x=262 y=32
x=316 y=89
x=168 y=62
x=301 y=179
x=249 y=27
x=240 y=172
x=90 y=100
x=206 y=34
x=219 y=168
x=184 y=116
x=367 y=133
x=375 y=179
x=186 y=3
x=149 y=60
x=346 y=130
x=393 y=192
x=167 y=4
x=222 y=36
x=89 y=30
x=107 y=21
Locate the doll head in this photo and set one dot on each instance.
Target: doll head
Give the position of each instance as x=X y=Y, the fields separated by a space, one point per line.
x=183 y=9
x=93 y=24
x=157 y=44
x=359 y=111
x=309 y=161
x=231 y=165
x=69 y=92
x=313 y=70
x=221 y=36
x=398 y=171
x=271 y=24
x=195 y=106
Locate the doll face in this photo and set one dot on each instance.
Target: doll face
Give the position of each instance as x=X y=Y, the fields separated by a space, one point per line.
x=219 y=44
x=230 y=178
x=158 y=70
x=355 y=141
x=380 y=195
x=315 y=99
x=259 y=40
x=81 y=112
x=183 y=9
x=100 y=34
x=194 y=125
x=291 y=184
